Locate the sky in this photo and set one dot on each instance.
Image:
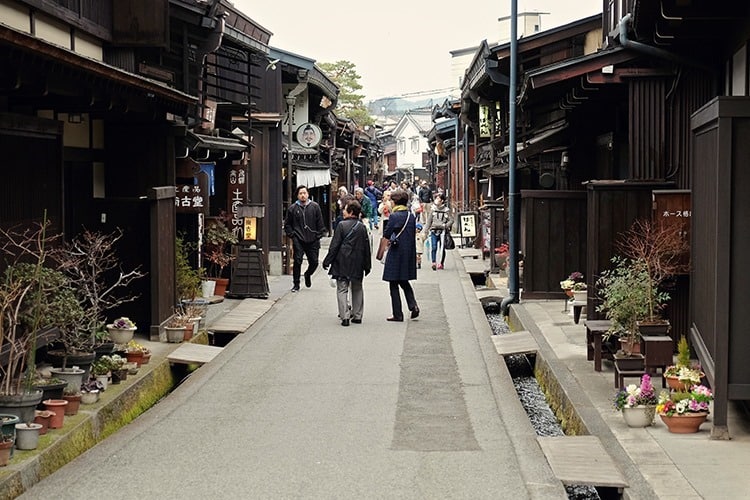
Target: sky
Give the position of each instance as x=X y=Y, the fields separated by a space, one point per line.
x=401 y=48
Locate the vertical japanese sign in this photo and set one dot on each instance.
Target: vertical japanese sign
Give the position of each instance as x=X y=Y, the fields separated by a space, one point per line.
x=191 y=198
x=467 y=225
x=236 y=197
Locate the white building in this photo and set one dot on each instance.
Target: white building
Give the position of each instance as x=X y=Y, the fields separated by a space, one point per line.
x=410 y=136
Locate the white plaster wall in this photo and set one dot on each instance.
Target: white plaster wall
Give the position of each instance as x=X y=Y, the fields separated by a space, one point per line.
x=14 y=15
x=88 y=47
x=52 y=31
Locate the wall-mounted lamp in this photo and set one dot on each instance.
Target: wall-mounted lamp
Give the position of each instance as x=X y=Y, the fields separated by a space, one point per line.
x=75 y=118
x=564 y=159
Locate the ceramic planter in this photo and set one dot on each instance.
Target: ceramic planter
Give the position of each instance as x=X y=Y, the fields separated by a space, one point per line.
x=90 y=397
x=57 y=406
x=27 y=436
x=51 y=391
x=687 y=423
x=21 y=405
x=120 y=335
x=6 y=447
x=639 y=416
x=42 y=418
x=135 y=356
x=208 y=288
x=74 y=403
x=175 y=334
x=72 y=376
x=580 y=296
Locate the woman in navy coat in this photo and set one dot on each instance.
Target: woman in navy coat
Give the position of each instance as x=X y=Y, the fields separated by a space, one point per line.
x=401 y=258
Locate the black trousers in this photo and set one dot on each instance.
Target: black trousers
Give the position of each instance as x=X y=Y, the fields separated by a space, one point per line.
x=411 y=301
x=304 y=249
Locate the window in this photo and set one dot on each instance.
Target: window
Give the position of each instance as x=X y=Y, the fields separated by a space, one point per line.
x=415 y=145
x=402 y=145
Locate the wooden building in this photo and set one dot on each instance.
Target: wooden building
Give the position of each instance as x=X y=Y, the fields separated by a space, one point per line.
x=604 y=108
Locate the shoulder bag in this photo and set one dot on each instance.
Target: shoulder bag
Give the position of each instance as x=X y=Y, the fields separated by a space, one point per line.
x=449 y=243
x=386 y=242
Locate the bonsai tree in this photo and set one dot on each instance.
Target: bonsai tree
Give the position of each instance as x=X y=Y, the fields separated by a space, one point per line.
x=658 y=249
x=28 y=302
x=99 y=280
x=217 y=238
x=626 y=297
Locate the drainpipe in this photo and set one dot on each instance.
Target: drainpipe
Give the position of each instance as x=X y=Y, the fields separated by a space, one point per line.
x=291 y=98
x=466 y=166
x=653 y=51
x=513 y=215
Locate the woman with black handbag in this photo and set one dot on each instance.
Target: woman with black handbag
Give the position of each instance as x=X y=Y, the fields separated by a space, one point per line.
x=438 y=223
x=401 y=258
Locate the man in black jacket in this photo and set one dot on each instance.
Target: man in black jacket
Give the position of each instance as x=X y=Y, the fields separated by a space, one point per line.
x=425 y=197
x=304 y=224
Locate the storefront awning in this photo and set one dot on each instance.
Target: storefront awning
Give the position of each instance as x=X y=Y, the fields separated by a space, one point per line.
x=313 y=177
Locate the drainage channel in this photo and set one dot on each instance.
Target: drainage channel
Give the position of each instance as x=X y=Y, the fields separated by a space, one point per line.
x=532 y=399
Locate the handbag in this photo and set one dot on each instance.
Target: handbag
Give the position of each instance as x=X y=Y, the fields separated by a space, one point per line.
x=449 y=243
x=393 y=240
x=382 y=247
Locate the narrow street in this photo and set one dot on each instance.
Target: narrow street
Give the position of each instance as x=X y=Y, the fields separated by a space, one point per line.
x=301 y=407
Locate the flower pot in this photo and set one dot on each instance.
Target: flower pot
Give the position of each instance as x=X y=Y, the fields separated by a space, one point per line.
x=27 y=436
x=81 y=359
x=639 y=416
x=676 y=384
x=6 y=447
x=175 y=334
x=221 y=286
x=104 y=380
x=103 y=349
x=90 y=397
x=57 y=406
x=146 y=358
x=51 y=391
x=661 y=327
x=629 y=363
x=20 y=405
x=135 y=357
x=42 y=418
x=131 y=367
x=188 y=332
x=208 y=288
x=74 y=403
x=120 y=335
x=687 y=423
x=580 y=296
x=630 y=346
x=72 y=376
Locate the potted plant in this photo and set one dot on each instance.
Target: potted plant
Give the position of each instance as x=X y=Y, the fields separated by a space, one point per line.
x=101 y=283
x=683 y=375
x=176 y=326
x=91 y=392
x=659 y=249
x=625 y=292
x=101 y=370
x=27 y=435
x=73 y=396
x=134 y=352
x=27 y=306
x=51 y=387
x=187 y=279
x=637 y=403
x=6 y=446
x=121 y=330
x=683 y=412
x=217 y=241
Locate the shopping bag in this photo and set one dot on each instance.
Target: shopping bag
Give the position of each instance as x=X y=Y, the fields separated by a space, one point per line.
x=382 y=247
x=449 y=243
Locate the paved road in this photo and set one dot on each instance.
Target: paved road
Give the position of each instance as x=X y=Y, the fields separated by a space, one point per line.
x=301 y=407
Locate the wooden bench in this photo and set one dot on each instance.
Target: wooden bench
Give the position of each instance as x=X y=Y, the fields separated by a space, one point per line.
x=596 y=348
x=658 y=351
x=583 y=460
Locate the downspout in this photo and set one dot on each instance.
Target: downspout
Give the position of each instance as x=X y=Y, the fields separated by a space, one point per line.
x=653 y=51
x=291 y=98
x=513 y=285
x=466 y=166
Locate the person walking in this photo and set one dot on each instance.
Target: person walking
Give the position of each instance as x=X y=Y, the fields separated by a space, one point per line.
x=425 y=198
x=350 y=259
x=375 y=196
x=384 y=209
x=401 y=258
x=438 y=222
x=364 y=201
x=304 y=225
